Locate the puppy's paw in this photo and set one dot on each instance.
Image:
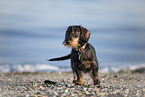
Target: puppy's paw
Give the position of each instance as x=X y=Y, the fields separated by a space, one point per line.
x=78 y=83
x=97 y=82
x=74 y=81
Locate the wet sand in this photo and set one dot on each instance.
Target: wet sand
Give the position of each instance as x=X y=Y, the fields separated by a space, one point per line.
x=131 y=83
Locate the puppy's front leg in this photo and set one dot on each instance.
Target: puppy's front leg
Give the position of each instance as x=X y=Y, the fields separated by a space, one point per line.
x=74 y=71
x=79 y=76
x=75 y=76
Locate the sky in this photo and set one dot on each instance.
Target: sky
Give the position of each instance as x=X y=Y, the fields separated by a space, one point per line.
x=34 y=30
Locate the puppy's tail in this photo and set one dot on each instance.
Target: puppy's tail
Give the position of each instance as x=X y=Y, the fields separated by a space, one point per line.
x=61 y=58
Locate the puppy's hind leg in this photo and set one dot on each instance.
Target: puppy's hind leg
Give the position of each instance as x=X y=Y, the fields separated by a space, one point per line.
x=94 y=75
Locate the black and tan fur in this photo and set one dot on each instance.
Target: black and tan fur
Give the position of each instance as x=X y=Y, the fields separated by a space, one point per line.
x=83 y=55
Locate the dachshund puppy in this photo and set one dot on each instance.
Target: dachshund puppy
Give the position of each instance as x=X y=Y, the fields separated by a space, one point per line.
x=83 y=55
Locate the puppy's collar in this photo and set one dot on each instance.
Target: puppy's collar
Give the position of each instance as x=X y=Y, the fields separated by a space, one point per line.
x=81 y=48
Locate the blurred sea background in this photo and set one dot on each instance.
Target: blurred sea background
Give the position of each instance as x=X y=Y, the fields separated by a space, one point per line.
x=32 y=31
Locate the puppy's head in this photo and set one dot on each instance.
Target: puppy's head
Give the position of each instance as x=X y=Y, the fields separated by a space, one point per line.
x=76 y=36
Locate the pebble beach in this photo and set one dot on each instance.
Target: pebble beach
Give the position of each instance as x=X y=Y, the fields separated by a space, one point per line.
x=31 y=84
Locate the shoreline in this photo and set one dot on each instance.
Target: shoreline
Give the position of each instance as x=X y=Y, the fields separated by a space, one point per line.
x=131 y=83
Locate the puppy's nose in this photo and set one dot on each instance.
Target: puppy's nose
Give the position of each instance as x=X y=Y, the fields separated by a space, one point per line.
x=66 y=42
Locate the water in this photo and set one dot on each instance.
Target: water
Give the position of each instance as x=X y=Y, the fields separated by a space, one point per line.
x=33 y=31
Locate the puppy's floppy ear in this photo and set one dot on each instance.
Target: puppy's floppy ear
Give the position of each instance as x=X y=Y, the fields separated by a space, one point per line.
x=85 y=35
